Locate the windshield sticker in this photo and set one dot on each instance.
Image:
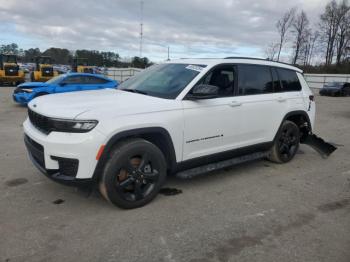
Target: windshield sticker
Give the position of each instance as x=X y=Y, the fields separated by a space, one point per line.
x=195 y=68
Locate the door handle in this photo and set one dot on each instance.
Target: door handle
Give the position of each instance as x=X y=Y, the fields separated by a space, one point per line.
x=281 y=99
x=235 y=103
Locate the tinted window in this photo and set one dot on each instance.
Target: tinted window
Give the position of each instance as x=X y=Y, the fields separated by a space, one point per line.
x=254 y=79
x=95 y=80
x=277 y=87
x=75 y=80
x=222 y=77
x=289 y=80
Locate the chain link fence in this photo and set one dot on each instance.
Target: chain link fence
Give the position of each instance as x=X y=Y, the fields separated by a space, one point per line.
x=121 y=74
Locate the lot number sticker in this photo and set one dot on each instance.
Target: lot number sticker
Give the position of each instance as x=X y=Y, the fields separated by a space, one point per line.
x=194 y=68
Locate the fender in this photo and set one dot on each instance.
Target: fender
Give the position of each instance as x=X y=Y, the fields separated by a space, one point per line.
x=166 y=144
x=296 y=113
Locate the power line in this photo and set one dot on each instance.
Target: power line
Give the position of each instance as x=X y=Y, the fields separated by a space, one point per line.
x=141 y=26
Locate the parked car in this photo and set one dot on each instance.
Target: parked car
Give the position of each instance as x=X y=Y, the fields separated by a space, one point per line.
x=181 y=117
x=335 y=89
x=61 y=84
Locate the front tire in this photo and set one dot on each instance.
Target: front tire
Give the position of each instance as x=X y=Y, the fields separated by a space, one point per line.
x=286 y=143
x=134 y=173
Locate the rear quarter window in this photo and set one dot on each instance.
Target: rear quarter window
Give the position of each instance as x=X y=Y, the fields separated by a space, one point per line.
x=289 y=80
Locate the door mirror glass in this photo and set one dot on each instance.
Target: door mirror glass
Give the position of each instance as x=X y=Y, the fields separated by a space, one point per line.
x=204 y=91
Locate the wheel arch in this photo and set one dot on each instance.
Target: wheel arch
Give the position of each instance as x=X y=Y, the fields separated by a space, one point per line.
x=158 y=136
x=301 y=119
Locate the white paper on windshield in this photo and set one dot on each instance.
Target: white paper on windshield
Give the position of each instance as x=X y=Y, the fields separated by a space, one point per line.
x=194 y=68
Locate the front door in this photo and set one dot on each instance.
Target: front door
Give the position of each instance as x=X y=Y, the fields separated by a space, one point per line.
x=210 y=123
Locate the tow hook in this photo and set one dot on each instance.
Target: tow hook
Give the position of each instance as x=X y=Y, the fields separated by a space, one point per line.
x=322 y=147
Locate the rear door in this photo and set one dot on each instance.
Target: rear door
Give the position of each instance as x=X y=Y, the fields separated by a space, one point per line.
x=261 y=108
x=290 y=90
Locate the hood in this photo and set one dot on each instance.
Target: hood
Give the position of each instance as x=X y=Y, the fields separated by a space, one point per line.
x=97 y=104
x=30 y=85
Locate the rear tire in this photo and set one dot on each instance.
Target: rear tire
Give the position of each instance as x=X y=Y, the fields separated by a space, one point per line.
x=286 y=143
x=134 y=173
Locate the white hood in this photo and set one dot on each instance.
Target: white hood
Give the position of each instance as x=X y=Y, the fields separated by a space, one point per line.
x=94 y=103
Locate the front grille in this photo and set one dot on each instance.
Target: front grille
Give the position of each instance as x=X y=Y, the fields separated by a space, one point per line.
x=36 y=150
x=47 y=71
x=11 y=70
x=67 y=166
x=39 y=121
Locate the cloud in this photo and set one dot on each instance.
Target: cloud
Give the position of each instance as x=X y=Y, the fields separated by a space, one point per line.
x=190 y=28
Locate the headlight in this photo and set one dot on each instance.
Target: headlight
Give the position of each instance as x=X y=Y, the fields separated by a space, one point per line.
x=25 y=90
x=72 y=126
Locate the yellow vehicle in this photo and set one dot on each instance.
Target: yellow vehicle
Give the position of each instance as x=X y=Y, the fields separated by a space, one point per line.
x=9 y=70
x=43 y=69
x=81 y=65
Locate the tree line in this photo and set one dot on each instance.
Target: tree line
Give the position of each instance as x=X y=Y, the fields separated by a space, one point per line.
x=324 y=47
x=65 y=57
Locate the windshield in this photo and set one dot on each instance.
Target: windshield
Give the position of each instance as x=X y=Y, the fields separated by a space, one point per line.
x=56 y=79
x=164 y=80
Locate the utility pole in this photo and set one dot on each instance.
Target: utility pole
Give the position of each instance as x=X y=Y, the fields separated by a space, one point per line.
x=141 y=26
x=168 y=53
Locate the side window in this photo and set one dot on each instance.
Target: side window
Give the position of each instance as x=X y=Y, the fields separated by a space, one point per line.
x=277 y=87
x=222 y=77
x=289 y=80
x=254 y=79
x=95 y=80
x=73 y=80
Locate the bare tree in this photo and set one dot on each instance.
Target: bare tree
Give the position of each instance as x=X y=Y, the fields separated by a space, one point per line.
x=312 y=40
x=271 y=51
x=301 y=32
x=330 y=21
x=343 y=35
x=283 y=25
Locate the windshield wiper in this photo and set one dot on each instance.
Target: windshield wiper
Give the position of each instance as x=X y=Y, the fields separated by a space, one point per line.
x=134 y=91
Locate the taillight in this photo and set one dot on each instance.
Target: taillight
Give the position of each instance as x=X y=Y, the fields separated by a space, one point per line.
x=312 y=98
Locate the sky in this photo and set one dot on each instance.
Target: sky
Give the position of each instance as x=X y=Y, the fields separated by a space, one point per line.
x=190 y=28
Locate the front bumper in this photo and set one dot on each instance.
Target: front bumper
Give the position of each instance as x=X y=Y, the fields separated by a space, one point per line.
x=56 y=175
x=53 y=152
x=22 y=98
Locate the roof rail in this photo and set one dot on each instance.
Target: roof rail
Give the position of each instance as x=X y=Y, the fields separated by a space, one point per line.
x=200 y=58
x=260 y=59
x=245 y=57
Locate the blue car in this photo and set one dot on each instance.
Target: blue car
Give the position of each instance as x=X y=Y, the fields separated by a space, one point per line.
x=69 y=82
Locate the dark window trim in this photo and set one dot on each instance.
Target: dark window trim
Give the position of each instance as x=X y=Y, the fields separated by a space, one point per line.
x=278 y=78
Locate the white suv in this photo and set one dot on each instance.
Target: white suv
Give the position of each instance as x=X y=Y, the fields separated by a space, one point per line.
x=181 y=117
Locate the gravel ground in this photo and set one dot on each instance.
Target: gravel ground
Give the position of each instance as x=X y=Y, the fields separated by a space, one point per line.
x=258 y=211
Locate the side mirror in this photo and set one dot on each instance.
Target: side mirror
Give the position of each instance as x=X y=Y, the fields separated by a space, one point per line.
x=203 y=91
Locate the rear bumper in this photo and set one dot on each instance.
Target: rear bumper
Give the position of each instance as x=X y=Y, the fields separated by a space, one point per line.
x=326 y=92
